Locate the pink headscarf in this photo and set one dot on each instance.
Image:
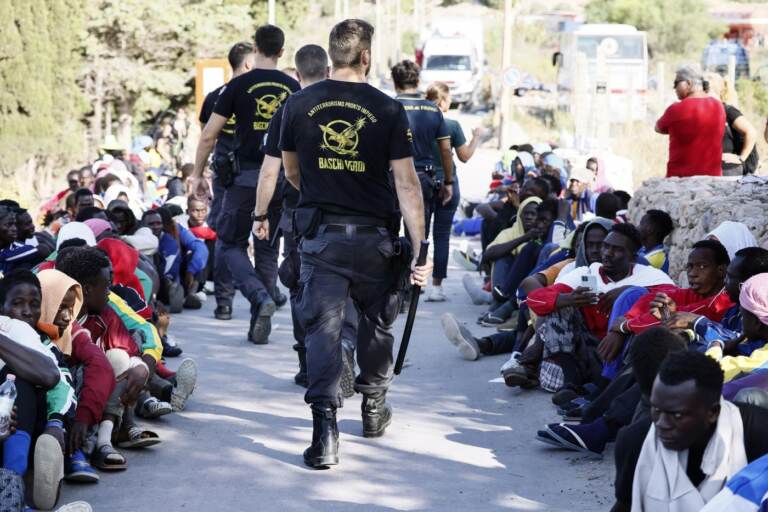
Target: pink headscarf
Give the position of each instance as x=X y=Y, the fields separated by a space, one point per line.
x=98 y=226
x=754 y=296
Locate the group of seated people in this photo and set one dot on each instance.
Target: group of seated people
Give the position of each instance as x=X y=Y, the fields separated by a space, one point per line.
x=675 y=374
x=85 y=304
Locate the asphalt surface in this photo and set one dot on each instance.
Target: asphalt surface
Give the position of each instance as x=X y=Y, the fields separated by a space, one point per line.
x=460 y=440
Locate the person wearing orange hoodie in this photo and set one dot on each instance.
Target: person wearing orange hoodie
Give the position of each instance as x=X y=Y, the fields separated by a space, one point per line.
x=62 y=300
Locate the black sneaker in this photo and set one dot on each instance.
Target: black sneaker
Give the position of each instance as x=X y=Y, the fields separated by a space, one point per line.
x=170 y=348
x=223 y=313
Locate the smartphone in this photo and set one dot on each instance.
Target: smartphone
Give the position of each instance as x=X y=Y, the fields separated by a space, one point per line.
x=589 y=281
x=665 y=314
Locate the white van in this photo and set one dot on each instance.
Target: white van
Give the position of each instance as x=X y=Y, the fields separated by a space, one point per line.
x=626 y=58
x=455 y=61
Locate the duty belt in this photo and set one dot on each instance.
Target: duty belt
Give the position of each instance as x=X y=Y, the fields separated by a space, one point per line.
x=357 y=220
x=425 y=169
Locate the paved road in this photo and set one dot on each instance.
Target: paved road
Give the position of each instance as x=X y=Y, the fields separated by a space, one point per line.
x=458 y=440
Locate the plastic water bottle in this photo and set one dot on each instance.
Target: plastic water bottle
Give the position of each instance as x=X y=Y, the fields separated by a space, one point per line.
x=7 y=399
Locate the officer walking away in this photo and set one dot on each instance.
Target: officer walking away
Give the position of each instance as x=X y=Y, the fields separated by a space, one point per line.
x=240 y=58
x=339 y=139
x=253 y=98
x=428 y=127
x=311 y=67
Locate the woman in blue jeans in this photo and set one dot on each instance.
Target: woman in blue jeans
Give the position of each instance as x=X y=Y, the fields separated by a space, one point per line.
x=443 y=213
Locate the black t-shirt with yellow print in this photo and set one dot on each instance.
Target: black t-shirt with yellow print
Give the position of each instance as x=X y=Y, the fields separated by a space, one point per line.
x=345 y=135
x=253 y=98
x=225 y=141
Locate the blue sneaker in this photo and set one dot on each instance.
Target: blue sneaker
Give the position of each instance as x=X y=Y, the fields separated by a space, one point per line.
x=79 y=470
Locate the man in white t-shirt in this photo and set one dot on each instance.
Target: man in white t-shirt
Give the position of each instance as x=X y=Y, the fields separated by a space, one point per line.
x=574 y=311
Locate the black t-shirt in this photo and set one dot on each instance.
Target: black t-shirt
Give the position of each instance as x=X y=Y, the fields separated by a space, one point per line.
x=253 y=98
x=733 y=140
x=271 y=147
x=427 y=126
x=629 y=444
x=345 y=135
x=226 y=139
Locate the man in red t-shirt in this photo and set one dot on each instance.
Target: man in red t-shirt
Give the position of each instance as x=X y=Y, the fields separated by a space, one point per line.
x=695 y=126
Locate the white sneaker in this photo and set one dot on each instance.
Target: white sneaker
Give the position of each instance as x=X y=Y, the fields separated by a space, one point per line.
x=511 y=364
x=460 y=337
x=202 y=296
x=186 y=380
x=479 y=296
x=76 y=506
x=436 y=294
x=49 y=472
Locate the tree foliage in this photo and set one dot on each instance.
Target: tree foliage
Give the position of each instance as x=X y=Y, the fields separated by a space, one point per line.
x=144 y=51
x=40 y=101
x=682 y=27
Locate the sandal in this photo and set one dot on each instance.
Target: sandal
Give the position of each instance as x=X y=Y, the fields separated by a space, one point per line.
x=135 y=437
x=106 y=458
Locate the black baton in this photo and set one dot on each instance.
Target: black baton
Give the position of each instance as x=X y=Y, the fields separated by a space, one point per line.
x=415 y=292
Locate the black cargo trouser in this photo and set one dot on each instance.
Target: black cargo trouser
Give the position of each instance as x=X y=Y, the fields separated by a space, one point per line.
x=338 y=263
x=289 y=271
x=234 y=230
x=223 y=285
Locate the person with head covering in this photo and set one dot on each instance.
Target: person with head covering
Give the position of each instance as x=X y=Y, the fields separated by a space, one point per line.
x=101 y=228
x=126 y=284
x=579 y=194
x=120 y=192
x=734 y=236
x=73 y=230
x=130 y=230
x=753 y=356
x=35 y=368
x=523 y=166
x=62 y=299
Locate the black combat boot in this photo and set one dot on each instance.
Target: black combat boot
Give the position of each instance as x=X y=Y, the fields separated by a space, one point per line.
x=261 y=322
x=377 y=415
x=324 y=450
x=301 y=377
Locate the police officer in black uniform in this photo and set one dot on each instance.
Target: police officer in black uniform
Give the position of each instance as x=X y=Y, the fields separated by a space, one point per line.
x=311 y=66
x=427 y=126
x=339 y=139
x=240 y=58
x=253 y=98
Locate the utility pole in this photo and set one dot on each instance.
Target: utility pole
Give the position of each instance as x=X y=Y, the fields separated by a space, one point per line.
x=398 y=37
x=377 y=56
x=346 y=9
x=337 y=10
x=271 y=11
x=506 y=89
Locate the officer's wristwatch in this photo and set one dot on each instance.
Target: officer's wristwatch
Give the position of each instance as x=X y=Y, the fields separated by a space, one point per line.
x=258 y=218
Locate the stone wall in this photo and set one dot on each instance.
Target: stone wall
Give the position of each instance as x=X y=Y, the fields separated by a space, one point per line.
x=698 y=205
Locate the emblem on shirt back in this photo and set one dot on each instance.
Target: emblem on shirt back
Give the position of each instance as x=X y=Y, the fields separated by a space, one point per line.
x=267 y=105
x=342 y=137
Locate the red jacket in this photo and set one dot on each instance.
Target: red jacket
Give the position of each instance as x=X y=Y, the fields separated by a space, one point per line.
x=543 y=302
x=713 y=307
x=98 y=376
x=108 y=331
